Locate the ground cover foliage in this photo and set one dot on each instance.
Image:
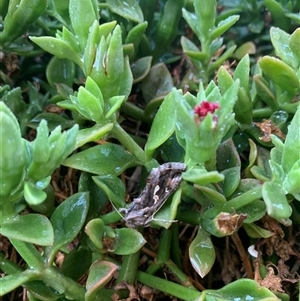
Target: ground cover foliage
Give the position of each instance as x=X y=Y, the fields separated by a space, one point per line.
x=149 y=150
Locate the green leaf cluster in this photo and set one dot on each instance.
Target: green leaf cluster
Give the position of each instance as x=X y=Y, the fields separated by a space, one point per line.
x=127 y=79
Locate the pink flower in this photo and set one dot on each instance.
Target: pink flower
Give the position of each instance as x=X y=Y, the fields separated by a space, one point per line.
x=206 y=107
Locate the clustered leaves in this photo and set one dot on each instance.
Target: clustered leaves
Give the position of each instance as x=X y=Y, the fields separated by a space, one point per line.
x=212 y=120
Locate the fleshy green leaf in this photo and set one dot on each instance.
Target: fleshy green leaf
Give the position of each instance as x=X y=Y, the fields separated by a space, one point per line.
x=59 y=48
x=82 y=15
x=255 y=231
x=76 y=263
x=53 y=121
x=264 y=92
x=135 y=35
x=100 y=274
x=242 y=73
x=60 y=71
x=40 y=291
x=255 y=211
x=157 y=84
x=11 y=168
x=33 y=195
x=291 y=152
x=90 y=104
x=67 y=220
x=223 y=26
x=167 y=214
x=62 y=8
x=191 y=19
x=292 y=181
x=200 y=176
x=9 y=283
x=280 y=41
x=229 y=165
x=294 y=42
x=102 y=159
x=281 y=73
x=33 y=228
x=29 y=253
x=277 y=12
x=95 y=230
x=214 y=196
x=276 y=202
x=162 y=127
x=129 y=9
x=90 y=49
x=202 y=253
x=113 y=187
x=242 y=289
x=92 y=133
x=141 y=68
x=206 y=15
x=193 y=52
x=127 y=241
x=115 y=103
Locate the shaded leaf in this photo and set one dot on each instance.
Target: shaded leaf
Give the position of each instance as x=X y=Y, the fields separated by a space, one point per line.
x=158 y=83
x=76 y=263
x=60 y=71
x=53 y=121
x=141 y=68
x=255 y=231
x=113 y=187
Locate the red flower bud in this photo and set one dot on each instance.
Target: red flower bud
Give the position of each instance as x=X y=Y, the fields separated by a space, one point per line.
x=206 y=107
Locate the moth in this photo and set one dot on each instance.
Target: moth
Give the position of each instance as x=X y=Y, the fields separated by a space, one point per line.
x=161 y=183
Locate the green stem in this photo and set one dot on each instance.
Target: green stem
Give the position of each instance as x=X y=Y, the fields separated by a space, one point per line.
x=7 y=210
x=9 y=267
x=62 y=284
x=163 y=253
x=9 y=283
x=29 y=254
x=153 y=268
x=262 y=113
x=205 y=64
x=243 y=200
x=129 y=268
x=188 y=216
x=50 y=276
x=179 y=275
x=133 y=111
x=111 y=217
x=168 y=287
x=41 y=23
x=175 y=246
x=119 y=133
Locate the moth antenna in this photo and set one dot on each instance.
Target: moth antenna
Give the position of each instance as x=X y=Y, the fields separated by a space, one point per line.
x=164 y=220
x=117 y=209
